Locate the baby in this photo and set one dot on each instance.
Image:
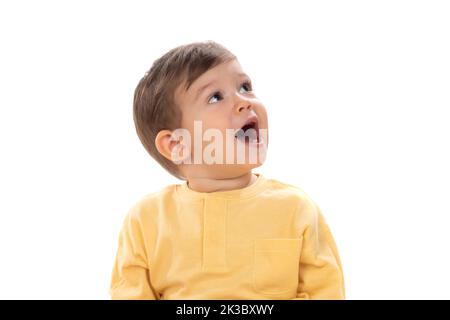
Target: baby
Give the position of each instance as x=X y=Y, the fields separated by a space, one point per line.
x=226 y=232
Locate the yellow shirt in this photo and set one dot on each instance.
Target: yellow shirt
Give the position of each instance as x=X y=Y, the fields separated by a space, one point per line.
x=268 y=240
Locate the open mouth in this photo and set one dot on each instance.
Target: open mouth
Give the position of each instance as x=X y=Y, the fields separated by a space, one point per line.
x=249 y=132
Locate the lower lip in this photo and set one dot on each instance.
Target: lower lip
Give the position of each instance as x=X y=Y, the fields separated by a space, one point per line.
x=253 y=144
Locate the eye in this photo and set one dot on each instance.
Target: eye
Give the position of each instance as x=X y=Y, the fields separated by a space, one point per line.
x=216 y=95
x=247 y=85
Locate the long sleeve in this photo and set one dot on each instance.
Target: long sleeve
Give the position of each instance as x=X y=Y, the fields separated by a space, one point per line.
x=131 y=276
x=321 y=275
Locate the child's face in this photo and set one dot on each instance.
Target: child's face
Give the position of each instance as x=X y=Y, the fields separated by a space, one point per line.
x=222 y=98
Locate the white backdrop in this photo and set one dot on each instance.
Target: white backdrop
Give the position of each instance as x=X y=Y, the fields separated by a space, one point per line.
x=364 y=86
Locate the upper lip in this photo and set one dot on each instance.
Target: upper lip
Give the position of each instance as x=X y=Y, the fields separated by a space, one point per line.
x=253 y=119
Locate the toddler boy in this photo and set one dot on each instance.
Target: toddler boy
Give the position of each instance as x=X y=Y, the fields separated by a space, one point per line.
x=226 y=232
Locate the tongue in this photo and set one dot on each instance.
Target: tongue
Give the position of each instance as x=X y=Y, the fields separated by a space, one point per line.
x=249 y=135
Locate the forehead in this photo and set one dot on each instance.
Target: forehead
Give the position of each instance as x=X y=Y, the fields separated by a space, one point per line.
x=224 y=70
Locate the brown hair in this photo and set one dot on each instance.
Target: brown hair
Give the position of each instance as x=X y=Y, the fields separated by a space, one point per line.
x=154 y=107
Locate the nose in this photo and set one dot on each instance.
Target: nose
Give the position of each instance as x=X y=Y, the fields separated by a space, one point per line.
x=241 y=105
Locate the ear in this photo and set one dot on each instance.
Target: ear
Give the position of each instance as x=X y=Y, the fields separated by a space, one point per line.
x=165 y=143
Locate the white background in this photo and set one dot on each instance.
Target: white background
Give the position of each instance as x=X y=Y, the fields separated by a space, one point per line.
x=358 y=96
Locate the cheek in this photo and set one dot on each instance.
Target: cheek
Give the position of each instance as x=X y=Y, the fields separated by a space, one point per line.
x=207 y=125
x=262 y=113
x=187 y=122
x=216 y=119
x=215 y=125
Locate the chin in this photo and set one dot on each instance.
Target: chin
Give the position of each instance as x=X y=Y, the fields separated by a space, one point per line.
x=234 y=170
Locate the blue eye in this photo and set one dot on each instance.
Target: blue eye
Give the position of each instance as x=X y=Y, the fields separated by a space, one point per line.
x=218 y=96
x=215 y=95
x=248 y=85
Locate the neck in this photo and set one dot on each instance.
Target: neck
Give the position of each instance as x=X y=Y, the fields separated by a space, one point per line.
x=215 y=185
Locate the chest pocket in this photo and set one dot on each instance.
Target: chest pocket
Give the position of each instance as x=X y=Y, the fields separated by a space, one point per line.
x=276 y=265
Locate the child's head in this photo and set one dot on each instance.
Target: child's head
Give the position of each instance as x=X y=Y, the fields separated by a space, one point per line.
x=188 y=110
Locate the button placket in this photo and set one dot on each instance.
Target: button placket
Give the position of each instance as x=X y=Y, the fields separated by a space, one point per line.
x=214 y=235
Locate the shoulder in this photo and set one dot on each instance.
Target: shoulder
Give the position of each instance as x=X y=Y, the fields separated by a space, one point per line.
x=288 y=191
x=147 y=208
x=306 y=208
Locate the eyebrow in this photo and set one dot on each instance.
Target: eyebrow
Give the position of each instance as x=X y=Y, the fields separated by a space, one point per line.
x=200 y=90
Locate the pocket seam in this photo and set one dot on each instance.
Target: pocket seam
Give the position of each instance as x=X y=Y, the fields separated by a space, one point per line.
x=287 y=248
